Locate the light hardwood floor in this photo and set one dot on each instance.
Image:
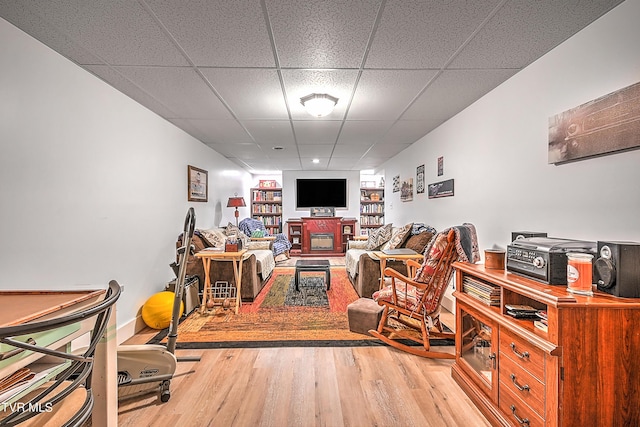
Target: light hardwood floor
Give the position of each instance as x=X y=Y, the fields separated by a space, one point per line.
x=338 y=386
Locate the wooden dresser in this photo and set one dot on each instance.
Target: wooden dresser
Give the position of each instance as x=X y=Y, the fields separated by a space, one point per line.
x=583 y=371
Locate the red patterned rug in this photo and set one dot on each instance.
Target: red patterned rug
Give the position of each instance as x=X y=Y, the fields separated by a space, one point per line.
x=280 y=316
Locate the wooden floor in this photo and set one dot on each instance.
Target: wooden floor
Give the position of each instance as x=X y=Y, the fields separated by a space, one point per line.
x=340 y=386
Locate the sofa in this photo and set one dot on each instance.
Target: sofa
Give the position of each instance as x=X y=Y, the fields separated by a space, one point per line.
x=257 y=264
x=363 y=267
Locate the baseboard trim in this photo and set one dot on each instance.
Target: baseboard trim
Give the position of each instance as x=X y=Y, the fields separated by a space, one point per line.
x=130 y=328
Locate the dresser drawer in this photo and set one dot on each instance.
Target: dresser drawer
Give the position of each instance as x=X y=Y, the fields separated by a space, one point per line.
x=522 y=384
x=517 y=411
x=528 y=356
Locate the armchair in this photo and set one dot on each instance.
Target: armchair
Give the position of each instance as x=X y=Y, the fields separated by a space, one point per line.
x=411 y=306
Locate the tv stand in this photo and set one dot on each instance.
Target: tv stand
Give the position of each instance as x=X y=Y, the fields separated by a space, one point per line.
x=583 y=370
x=319 y=236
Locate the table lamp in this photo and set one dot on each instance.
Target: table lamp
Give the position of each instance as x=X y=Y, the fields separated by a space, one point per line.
x=236 y=202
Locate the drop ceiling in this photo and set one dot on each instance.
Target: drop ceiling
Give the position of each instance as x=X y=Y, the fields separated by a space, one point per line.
x=231 y=73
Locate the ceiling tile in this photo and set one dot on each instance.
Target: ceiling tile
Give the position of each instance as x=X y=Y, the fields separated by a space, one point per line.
x=38 y=26
x=424 y=34
x=250 y=93
x=270 y=164
x=244 y=151
x=181 y=90
x=315 y=151
x=218 y=33
x=452 y=91
x=316 y=132
x=308 y=164
x=350 y=151
x=321 y=34
x=406 y=132
x=120 y=32
x=221 y=131
x=524 y=30
x=287 y=152
x=120 y=82
x=384 y=94
x=271 y=132
x=363 y=131
x=386 y=150
x=343 y=164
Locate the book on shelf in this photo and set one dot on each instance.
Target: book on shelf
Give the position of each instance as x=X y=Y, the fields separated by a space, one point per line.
x=520 y=308
x=522 y=315
x=481 y=291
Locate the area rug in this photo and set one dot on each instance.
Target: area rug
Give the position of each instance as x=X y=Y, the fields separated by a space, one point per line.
x=280 y=316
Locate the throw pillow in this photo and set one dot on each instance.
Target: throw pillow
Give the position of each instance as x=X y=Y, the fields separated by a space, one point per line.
x=379 y=237
x=399 y=236
x=232 y=230
x=215 y=237
x=357 y=244
x=257 y=246
x=418 y=242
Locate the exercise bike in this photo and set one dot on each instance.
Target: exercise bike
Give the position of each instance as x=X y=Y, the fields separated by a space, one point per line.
x=150 y=367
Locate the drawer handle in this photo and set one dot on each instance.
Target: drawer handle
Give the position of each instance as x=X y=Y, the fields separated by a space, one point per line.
x=524 y=355
x=518 y=386
x=522 y=421
x=15 y=351
x=493 y=359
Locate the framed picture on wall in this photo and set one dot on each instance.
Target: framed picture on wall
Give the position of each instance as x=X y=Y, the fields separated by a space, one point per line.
x=420 y=179
x=197 y=184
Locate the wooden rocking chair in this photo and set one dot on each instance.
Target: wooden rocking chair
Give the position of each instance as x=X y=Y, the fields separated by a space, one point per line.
x=414 y=306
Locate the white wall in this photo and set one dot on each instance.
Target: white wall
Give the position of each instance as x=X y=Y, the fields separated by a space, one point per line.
x=289 y=192
x=93 y=185
x=496 y=150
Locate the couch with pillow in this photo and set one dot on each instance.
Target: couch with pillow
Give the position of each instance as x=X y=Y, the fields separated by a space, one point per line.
x=257 y=264
x=363 y=267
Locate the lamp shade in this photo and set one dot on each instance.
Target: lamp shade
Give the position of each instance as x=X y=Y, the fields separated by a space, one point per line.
x=236 y=202
x=319 y=104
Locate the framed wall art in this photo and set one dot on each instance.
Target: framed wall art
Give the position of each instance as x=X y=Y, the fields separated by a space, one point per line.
x=441 y=189
x=605 y=125
x=197 y=184
x=406 y=192
x=396 y=183
x=420 y=179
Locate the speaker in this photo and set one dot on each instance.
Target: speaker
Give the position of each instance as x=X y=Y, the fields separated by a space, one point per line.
x=616 y=270
x=515 y=235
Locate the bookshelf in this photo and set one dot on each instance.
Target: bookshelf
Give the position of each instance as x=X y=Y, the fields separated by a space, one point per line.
x=266 y=206
x=371 y=209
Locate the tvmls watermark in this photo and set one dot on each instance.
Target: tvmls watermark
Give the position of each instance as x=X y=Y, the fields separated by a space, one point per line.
x=27 y=407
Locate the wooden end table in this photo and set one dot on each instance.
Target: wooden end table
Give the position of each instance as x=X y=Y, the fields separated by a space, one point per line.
x=402 y=257
x=236 y=258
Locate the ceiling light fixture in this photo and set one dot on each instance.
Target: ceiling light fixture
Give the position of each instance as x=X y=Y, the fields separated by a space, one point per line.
x=319 y=104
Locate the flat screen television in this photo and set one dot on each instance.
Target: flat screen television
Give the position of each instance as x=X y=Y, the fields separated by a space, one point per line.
x=321 y=192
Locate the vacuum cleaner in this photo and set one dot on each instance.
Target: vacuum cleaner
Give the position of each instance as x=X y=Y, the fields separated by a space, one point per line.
x=149 y=367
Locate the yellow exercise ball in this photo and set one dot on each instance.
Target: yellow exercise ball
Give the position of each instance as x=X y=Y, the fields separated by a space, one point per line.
x=156 y=312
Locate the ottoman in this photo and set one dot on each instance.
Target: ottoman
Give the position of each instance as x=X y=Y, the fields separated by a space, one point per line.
x=364 y=314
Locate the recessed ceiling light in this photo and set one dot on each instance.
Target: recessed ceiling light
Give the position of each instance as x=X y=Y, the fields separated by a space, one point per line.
x=316 y=160
x=277 y=147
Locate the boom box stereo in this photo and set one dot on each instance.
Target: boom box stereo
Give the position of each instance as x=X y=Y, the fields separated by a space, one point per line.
x=515 y=235
x=617 y=268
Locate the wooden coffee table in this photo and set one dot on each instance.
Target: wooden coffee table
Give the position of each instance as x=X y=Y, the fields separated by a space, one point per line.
x=303 y=265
